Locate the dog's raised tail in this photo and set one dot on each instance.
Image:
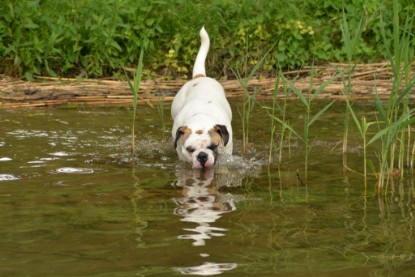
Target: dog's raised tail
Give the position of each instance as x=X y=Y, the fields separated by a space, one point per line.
x=199 y=67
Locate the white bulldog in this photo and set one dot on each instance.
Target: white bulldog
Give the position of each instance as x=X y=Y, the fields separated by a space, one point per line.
x=202 y=116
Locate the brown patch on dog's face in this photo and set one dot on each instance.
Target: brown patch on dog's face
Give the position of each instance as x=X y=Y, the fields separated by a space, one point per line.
x=199 y=132
x=182 y=134
x=215 y=137
x=219 y=133
x=219 y=136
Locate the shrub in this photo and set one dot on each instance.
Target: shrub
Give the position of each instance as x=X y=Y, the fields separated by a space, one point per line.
x=99 y=38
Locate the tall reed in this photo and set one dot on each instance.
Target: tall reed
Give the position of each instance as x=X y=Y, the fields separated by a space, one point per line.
x=396 y=116
x=350 y=44
x=309 y=117
x=135 y=88
x=273 y=111
x=160 y=108
x=249 y=98
x=363 y=127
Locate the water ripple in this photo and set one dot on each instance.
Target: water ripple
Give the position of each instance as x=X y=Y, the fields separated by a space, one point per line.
x=59 y=154
x=5 y=159
x=74 y=170
x=8 y=177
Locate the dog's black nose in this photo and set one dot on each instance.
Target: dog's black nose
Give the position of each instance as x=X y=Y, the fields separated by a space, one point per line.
x=202 y=157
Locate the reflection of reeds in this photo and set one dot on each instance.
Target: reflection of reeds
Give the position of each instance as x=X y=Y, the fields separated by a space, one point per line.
x=141 y=223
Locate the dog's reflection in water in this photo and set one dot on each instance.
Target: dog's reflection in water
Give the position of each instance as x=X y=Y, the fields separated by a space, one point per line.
x=201 y=202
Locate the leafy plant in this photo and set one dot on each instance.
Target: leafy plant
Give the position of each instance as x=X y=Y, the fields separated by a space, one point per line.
x=72 y=38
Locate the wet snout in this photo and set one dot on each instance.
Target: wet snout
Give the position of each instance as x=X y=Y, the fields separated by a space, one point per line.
x=202 y=157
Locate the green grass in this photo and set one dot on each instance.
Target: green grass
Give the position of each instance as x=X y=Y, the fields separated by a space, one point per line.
x=73 y=38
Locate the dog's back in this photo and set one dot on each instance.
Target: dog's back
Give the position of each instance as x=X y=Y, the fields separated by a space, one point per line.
x=207 y=88
x=202 y=115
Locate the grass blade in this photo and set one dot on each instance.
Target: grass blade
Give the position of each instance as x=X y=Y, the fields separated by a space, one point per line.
x=355 y=119
x=317 y=115
x=379 y=106
x=286 y=125
x=297 y=92
x=326 y=83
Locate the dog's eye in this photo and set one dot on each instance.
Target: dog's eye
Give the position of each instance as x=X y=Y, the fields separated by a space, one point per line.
x=213 y=147
x=190 y=149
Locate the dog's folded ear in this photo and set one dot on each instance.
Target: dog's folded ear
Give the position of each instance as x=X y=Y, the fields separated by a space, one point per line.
x=179 y=133
x=223 y=132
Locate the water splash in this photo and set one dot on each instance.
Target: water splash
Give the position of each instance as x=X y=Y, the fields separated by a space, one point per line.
x=206 y=269
x=5 y=159
x=8 y=177
x=74 y=170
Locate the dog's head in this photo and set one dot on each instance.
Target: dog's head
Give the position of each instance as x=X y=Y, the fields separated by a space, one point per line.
x=200 y=147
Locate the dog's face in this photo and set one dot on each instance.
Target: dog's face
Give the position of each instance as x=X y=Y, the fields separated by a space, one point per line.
x=200 y=147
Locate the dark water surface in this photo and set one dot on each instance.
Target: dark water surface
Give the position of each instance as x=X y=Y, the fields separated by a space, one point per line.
x=75 y=202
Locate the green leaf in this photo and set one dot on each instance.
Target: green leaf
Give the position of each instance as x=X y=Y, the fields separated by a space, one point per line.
x=355 y=119
x=379 y=106
x=150 y=21
x=378 y=135
x=29 y=76
x=407 y=121
x=116 y=45
x=30 y=24
x=405 y=91
x=259 y=64
x=297 y=92
x=372 y=167
x=50 y=70
x=402 y=123
x=326 y=83
x=286 y=125
x=317 y=115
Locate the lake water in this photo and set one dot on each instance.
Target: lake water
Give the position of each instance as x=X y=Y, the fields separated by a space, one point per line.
x=75 y=202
